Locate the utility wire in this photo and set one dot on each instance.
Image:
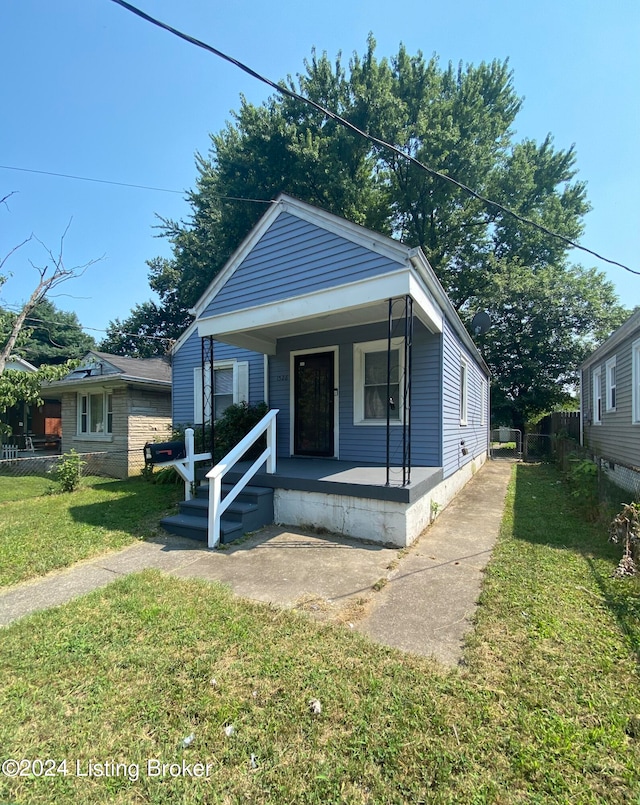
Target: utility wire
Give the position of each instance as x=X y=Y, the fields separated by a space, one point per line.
x=381 y=143
x=127 y=184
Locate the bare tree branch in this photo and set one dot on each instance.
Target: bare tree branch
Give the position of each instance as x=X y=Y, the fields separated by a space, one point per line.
x=51 y=275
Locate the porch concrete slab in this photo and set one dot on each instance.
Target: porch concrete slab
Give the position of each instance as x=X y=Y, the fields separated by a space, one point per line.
x=428 y=605
x=285 y=565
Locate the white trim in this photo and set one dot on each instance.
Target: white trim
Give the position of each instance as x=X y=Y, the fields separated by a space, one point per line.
x=89 y=434
x=464 y=391
x=306 y=307
x=635 y=382
x=265 y=378
x=359 y=351
x=483 y=401
x=239 y=393
x=611 y=384
x=336 y=398
x=596 y=389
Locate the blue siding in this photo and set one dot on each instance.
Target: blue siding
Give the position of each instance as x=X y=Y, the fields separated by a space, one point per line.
x=367 y=443
x=474 y=434
x=189 y=356
x=295 y=257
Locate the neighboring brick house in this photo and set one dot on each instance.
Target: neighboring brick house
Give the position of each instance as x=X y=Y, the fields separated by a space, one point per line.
x=112 y=406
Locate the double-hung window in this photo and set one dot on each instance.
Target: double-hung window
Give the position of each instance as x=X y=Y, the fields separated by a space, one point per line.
x=95 y=413
x=597 y=396
x=611 y=384
x=377 y=382
x=635 y=382
x=230 y=385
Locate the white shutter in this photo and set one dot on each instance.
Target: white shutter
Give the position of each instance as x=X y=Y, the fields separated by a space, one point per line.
x=242 y=375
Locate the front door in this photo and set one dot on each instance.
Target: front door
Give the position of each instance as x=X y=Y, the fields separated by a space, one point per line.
x=314 y=395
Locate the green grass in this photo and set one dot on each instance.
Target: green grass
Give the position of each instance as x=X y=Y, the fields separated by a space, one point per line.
x=54 y=531
x=539 y=712
x=15 y=489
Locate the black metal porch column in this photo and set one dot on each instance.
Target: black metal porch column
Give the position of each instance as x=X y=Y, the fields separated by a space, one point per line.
x=406 y=393
x=389 y=333
x=208 y=413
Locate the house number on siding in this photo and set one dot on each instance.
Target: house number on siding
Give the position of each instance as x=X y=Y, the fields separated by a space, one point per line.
x=281 y=377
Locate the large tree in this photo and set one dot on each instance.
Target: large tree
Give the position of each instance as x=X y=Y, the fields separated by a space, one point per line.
x=459 y=121
x=50 y=335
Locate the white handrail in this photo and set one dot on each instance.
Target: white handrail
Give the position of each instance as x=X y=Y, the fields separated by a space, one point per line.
x=186 y=467
x=216 y=505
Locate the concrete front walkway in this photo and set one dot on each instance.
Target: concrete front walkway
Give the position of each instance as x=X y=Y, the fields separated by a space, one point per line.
x=425 y=596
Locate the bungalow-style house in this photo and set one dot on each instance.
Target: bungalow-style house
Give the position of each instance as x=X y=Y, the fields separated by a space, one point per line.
x=113 y=405
x=381 y=396
x=610 y=404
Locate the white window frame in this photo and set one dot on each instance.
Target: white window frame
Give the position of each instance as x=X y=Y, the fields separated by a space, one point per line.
x=107 y=403
x=483 y=402
x=635 y=382
x=597 y=396
x=612 y=392
x=240 y=385
x=359 y=352
x=464 y=391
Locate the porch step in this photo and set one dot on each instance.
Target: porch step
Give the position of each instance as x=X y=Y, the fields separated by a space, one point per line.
x=194 y=527
x=252 y=509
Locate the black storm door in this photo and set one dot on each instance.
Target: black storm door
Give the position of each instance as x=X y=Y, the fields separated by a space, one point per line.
x=314 y=404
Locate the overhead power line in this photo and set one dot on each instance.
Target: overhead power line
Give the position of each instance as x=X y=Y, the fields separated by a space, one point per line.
x=127 y=184
x=91 y=179
x=371 y=138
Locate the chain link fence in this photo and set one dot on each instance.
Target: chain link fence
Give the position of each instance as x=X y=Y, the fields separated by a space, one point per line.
x=111 y=464
x=505 y=443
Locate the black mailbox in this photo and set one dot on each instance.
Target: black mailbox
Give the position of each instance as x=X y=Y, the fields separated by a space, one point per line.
x=161 y=452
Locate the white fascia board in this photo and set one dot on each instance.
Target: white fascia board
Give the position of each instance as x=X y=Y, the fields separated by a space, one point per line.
x=428 y=312
x=320 y=303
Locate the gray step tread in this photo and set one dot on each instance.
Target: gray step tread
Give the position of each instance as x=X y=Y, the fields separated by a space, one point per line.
x=250 y=491
x=200 y=523
x=200 y=507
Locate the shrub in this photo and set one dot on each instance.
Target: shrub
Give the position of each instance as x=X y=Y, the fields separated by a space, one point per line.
x=625 y=530
x=68 y=471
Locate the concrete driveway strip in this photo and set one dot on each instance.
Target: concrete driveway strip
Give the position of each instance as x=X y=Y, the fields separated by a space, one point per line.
x=428 y=605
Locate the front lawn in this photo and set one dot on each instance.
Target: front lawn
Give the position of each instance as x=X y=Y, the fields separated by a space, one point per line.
x=30 y=486
x=542 y=710
x=44 y=533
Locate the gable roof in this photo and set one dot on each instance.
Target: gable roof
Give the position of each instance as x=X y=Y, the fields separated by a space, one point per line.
x=20 y=364
x=96 y=367
x=402 y=257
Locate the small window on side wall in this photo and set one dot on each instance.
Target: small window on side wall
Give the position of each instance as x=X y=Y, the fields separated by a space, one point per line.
x=611 y=384
x=597 y=396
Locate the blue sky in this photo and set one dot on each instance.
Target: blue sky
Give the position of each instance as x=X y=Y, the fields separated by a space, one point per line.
x=89 y=89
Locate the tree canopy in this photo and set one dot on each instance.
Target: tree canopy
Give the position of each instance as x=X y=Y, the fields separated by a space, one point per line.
x=459 y=121
x=50 y=335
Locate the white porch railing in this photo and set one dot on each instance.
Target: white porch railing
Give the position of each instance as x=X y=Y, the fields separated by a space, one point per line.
x=217 y=506
x=186 y=467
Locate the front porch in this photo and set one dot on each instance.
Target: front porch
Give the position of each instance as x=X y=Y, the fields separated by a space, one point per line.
x=349 y=478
